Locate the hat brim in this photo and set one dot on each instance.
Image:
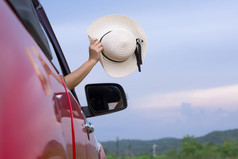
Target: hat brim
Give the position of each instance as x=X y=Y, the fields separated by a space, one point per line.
x=114 y=22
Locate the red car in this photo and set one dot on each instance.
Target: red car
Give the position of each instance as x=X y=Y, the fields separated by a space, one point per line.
x=40 y=117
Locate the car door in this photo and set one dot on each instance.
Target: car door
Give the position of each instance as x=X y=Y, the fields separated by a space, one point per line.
x=32 y=93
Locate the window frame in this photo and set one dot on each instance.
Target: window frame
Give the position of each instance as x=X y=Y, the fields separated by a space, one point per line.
x=53 y=40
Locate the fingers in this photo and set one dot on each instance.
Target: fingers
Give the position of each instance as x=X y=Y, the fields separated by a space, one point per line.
x=94 y=41
x=100 y=48
x=96 y=44
x=95 y=49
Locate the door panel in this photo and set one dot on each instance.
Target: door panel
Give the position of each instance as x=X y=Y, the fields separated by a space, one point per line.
x=31 y=95
x=80 y=132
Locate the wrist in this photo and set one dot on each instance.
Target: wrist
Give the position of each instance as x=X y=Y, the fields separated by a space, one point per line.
x=93 y=61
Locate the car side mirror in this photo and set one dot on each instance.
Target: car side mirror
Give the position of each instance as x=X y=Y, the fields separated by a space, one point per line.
x=104 y=98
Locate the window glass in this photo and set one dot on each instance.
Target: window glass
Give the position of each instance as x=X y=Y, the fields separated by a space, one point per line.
x=54 y=60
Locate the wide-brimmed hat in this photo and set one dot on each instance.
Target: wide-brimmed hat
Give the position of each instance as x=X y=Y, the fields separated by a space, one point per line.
x=124 y=43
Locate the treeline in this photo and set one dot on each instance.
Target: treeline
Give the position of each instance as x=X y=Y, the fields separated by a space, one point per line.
x=191 y=148
x=137 y=147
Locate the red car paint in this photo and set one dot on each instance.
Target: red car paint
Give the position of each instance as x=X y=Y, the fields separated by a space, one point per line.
x=40 y=118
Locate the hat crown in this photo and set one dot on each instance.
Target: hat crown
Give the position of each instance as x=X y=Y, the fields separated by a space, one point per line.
x=119 y=45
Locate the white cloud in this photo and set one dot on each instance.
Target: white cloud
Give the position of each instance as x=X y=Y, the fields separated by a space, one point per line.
x=220 y=97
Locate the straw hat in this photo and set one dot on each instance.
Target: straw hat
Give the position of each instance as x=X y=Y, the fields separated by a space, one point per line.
x=124 y=44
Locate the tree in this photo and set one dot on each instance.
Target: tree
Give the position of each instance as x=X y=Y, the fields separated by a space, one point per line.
x=190 y=148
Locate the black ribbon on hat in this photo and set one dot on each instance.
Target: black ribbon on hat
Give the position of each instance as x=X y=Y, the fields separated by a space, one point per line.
x=137 y=52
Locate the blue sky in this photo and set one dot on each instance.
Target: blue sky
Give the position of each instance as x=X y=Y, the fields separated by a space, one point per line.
x=189 y=79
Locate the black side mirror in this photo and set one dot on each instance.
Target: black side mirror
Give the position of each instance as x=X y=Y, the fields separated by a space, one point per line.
x=104 y=98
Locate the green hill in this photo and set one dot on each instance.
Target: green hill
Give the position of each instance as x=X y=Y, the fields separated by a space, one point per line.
x=218 y=137
x=142 y=146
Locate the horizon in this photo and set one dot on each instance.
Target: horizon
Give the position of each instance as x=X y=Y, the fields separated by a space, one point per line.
x=214 y=131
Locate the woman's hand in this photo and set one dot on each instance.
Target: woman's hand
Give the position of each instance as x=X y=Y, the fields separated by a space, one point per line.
x=95 y=49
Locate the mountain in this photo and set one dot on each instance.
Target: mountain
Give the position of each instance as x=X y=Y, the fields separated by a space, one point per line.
x=164 y=144
x=218 y=137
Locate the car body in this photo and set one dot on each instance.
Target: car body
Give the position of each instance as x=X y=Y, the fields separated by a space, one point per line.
x=40 y=116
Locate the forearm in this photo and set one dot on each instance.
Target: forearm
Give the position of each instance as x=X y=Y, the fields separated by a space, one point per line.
x=74 y=78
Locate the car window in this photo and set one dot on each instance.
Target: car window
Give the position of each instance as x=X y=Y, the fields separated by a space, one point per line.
x=54 y=59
